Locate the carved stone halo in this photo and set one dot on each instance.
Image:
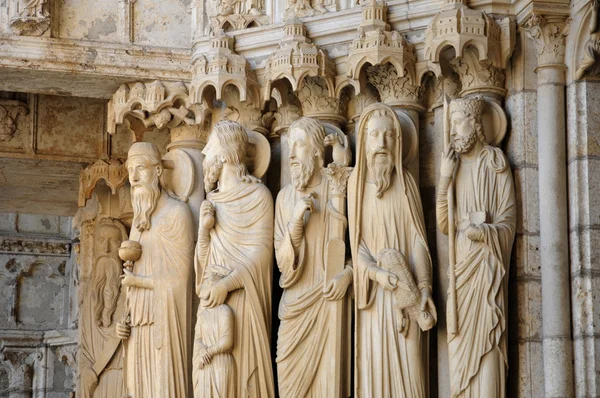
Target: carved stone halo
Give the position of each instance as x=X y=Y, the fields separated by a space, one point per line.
x=258 y=153
x=178 y=184
x=494 y=123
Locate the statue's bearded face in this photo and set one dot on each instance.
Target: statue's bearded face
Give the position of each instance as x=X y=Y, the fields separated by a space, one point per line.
x=106 y=272
x=302 y=158
x=213 y=162
x=380 y=143
x=463 y=133
x=144 y=173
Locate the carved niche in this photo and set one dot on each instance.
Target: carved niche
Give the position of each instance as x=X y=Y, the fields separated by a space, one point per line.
x=236 y=14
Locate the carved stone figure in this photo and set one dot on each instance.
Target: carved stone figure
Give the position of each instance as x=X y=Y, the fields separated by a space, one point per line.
x=385 y=212
x=592 y=47
x=481 y=225
x=236 y=232
x=314 y=285
x=32 y=9
x=100 y=353
x=159 y=286
x=214 y=375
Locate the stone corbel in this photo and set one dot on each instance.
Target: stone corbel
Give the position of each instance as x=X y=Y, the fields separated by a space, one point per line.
x=30 y=17
x=9 y=113
x=548 y=35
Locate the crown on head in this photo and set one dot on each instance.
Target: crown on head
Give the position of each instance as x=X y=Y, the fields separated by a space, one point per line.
x=471 y=106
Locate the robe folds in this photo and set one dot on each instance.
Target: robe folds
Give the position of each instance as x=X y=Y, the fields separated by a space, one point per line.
x=303 y=311
x=159 y=346
x=388 y=363
x=101 y=349
x=242 y=241
x=477 y=353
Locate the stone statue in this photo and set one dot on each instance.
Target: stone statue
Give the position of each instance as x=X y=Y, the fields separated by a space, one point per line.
x=385 y=212
x=592 y=46
x=159 y=286
x=32 y=9
x=215 y=374
x=481 y=227
x=100 y=353
x=304 y=226
x=236 y=232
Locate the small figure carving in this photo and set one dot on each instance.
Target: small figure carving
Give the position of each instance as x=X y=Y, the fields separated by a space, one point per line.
x=236 y=232
x=214 y=368
x=100 y=353
x=32 y=9
x=476 y=208
x=314 y=275
x=156 y=329
x=385 y=212
x=592 y=46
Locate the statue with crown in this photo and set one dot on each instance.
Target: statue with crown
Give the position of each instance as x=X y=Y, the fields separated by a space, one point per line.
x=476 y=207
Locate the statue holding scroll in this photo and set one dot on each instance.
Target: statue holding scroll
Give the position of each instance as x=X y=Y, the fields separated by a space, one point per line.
x=236 y=233
x=476 y=207
x=157 y=331
x=310 y=253
x=392 y=264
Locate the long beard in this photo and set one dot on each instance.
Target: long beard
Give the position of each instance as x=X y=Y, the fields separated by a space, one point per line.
x=144 y=199
x=106 y=287
x=380 y=163
x=301 y=173
x=463 y=145
x=212 y=169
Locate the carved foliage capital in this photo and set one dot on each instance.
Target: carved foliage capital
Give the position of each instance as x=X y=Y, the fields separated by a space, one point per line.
x=9 y=112
x=393 y=88
x=548 y=35
x=338 y=177
x=317 y=102
x=477 y=76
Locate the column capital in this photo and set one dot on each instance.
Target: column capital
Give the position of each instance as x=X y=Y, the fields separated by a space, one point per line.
x=548 y=34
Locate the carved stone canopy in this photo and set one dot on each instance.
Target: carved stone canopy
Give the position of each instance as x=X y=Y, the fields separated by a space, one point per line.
x=144 y=106
x=220 y=66
x=113 y=172
x=297 y=58
x=376 y=44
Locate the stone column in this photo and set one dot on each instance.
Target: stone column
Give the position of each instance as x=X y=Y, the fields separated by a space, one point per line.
x=549 y=38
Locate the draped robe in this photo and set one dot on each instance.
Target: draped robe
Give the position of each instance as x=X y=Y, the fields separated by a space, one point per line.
x=303 y=311
x=158 y=348
x=477 y=353
x=242 y=241
x=101 y=348
x=388 y=364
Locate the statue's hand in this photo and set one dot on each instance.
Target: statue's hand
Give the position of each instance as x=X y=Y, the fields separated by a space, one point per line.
x=305 y=204
x=336 y=289
x=123 y=330
x=474 y=233
x=207 y=215
x=386 y=279
x=448 y=162
x=128 y=278
x=216 y=295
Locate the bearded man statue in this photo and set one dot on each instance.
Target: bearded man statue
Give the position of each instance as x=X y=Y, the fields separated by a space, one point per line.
x=485 y=214
x=302 y=232
x=236 y=233
x=159 y=288
x=385 y=213
x=100 y=353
